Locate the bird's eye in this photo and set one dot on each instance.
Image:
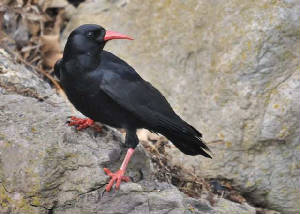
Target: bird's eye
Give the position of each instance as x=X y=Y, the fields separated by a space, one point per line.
x=90 y=34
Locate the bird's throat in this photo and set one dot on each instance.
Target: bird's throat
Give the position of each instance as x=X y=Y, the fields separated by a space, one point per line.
x=89 y=61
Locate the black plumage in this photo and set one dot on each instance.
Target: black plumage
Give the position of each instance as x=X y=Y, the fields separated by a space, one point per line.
x=106 y=89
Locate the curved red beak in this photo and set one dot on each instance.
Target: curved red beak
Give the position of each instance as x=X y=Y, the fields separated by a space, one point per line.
x=109 y=35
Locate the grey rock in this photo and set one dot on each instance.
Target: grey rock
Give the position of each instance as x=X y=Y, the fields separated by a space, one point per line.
x=49 y=167
x=231 y=69
x=16 y=78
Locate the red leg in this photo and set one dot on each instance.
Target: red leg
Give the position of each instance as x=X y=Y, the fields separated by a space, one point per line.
x=83 y=123
x=119 y=175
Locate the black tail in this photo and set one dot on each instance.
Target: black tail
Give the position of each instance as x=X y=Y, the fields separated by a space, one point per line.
x=185 y=137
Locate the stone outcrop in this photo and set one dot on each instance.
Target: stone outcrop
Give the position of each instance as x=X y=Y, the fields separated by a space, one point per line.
x=230 y=68
x=47 y=167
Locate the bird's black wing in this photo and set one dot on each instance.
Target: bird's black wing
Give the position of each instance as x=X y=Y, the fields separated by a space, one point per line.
x=124 y=85
x=140 y=98
x=137 y=96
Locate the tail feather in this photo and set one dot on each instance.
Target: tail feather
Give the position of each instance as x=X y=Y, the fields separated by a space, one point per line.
x=185 y=137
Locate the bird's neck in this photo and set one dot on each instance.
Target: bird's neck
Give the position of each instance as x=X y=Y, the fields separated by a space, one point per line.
x=85 y=61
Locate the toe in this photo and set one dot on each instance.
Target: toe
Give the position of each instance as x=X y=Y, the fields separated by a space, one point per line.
x=115 y=177
x=125 y=179
x=118 y=183
x=107 y=171
x=110 y=184
x=81 y=126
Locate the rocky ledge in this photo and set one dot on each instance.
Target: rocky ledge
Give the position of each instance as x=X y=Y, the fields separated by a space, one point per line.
x=49 y=167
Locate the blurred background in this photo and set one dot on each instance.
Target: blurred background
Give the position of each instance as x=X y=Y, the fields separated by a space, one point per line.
x=229 y=68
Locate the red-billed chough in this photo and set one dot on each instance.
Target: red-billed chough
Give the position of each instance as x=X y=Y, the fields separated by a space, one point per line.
x=106 y=89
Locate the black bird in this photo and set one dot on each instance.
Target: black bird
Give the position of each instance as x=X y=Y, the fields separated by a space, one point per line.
x=106 y=89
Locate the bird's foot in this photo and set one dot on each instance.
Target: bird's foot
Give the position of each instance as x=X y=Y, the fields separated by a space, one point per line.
x=115 y=177
x=83 y=123
x=80 y=123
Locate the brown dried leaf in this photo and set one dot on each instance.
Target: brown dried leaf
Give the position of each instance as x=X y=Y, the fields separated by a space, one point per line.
x=58 y=22
x=35 y=59
x=227 y=185
x=34 y=17
x=236 y=197
x=36 y=2
x=26 y=55
x=50 y=49
x=34 y=27
x=57 y=3
x=28 y=48
x=49 y=42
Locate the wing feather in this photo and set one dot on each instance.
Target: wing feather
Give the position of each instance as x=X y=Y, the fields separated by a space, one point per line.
x=139 y=97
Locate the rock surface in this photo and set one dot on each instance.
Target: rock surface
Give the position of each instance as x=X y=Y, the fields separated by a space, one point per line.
x=49 y=167
x=230 y=68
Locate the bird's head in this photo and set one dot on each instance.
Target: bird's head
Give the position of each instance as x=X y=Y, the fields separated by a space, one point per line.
x=90 y=39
